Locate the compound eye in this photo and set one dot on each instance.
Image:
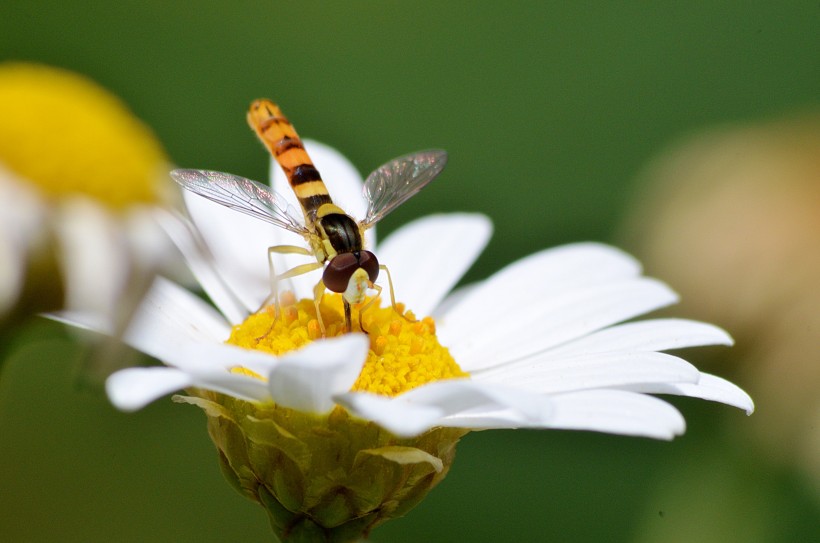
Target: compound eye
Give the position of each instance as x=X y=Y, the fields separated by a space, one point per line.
x=337 y=274
x=370 y=264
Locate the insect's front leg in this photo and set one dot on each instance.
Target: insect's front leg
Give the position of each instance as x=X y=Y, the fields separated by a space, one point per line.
x=318 y=295
x=373 y=300
x=273 y=297
x=392 y=294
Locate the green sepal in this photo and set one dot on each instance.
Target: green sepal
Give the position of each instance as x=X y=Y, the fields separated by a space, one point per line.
x=322 y=478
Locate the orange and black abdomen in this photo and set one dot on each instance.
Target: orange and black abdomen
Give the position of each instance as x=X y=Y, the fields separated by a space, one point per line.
x=281 y=139
x=322 y=216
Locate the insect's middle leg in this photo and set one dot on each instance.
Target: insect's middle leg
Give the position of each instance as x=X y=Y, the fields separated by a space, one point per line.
x=273 y=297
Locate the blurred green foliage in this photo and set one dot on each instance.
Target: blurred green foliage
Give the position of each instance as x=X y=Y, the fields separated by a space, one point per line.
x=548 y=109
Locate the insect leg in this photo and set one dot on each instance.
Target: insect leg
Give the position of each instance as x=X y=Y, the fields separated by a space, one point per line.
x=281 y=249
x=318 y=294
x=392 y=293
x=299 y=270
x=349 y=319
x=374 y=299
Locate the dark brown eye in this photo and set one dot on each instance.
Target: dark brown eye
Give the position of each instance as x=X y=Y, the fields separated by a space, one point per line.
x=337 y=274
x=370 y=263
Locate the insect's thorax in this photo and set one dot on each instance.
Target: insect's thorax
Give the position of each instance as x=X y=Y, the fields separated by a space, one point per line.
x=338 y=232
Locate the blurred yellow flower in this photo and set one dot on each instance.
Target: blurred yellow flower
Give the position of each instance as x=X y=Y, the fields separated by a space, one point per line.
x=81 y=182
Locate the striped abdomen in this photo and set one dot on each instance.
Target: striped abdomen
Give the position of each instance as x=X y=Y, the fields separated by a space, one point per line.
x=281 y=139
x=321 y=214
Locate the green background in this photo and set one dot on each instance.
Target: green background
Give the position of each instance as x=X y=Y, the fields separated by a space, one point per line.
x=548 y=111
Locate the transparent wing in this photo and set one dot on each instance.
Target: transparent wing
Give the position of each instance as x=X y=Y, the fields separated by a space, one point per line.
x=243 y=195
x=393 y=183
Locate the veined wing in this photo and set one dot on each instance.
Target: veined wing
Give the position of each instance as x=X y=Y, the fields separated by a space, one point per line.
x=393 y=183
x=243 y=195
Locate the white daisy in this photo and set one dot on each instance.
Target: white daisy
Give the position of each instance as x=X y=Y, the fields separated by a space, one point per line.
x=540 y=339
x=81 y=183
x=540 y=344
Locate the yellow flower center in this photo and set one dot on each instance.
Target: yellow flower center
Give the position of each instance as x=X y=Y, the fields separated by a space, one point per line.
x=403 y=353
x=67 y=135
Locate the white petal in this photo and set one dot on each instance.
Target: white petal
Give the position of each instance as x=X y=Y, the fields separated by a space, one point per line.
x=148 y=244
x=108 y=260
x=486 y=419
x=239 y=245
x=12 y=267
x=600 y=370
x=134 y=388
x=22 y=229
x=610 y=411
x=427 y=257
x=540 y=324
x=454 y=298
x=237 y=385
x=399 y=418
x=308 y=379
x=615 y=412
x=182 y=331
x=201 y=263
x=210 y=366
x=430 y=405
x=464 y=395
x=709 y=387
x=648 y=335
x=170 y=315
x=535 y=277
x=85 y=320
x=92 y=253
x=22 y=207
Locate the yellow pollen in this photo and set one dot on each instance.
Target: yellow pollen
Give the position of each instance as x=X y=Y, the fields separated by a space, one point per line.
x=403 y=353
x=67 y=135
x=245 y=371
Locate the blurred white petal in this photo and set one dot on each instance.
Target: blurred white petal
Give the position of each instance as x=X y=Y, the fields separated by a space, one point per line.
x=22 y=216
x=92 y=253
x=134 y=388
x=200 y=262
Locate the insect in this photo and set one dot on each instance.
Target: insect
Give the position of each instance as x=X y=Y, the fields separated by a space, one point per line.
x=333 y=237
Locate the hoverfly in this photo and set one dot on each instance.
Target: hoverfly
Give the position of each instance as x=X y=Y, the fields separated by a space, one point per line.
x=333 y=237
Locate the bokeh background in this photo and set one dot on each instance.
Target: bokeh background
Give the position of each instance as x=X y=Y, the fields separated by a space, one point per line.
x=550 y=111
